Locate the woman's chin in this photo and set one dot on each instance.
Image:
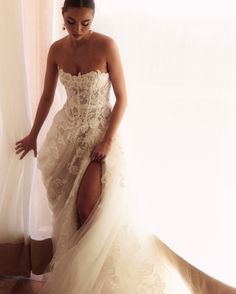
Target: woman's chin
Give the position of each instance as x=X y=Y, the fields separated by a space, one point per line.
x=76 y=36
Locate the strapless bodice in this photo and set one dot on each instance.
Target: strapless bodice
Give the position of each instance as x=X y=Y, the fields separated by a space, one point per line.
x=91 y=88
x=87 y=105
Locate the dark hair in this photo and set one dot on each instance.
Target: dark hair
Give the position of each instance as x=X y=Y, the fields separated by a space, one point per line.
x=78 y=3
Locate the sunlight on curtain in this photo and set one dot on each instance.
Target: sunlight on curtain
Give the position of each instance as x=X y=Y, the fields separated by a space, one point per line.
x=179 y=62
x=16 y=116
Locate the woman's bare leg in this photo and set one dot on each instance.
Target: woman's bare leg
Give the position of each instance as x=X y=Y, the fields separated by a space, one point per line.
x=89 y=190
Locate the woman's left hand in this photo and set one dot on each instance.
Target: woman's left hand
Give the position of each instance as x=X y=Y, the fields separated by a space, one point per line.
x=100 y=152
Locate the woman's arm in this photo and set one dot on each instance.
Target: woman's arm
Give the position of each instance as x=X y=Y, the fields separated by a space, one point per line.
x=30 y=141
x=50 y=82
x=118 y=83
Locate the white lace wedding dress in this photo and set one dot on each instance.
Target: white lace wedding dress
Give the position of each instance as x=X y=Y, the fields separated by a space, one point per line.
x=109 y=253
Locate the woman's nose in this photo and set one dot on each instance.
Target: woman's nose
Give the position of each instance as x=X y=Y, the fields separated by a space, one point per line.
x=78 y=28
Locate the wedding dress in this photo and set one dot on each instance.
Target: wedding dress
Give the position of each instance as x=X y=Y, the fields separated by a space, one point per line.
x=110 y=253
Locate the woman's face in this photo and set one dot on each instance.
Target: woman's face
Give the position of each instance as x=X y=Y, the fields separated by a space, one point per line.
x=78 y=21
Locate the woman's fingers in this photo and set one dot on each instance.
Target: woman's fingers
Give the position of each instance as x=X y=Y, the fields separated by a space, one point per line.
x=25 y=145
x=100 y=157
x=18 y=142
x=24 y=153
x=104 y=157
x=18 y=146
x=95 y=155
x=20 y=150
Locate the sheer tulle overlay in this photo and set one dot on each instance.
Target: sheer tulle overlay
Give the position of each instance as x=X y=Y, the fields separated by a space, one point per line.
x=110 y=252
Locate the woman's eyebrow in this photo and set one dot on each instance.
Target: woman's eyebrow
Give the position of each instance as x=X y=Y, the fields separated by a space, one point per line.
x=75 y=20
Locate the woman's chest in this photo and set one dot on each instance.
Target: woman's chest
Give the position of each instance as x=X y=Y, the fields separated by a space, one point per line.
x=82 y=60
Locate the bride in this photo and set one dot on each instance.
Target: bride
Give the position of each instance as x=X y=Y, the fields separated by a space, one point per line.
x=99 y=247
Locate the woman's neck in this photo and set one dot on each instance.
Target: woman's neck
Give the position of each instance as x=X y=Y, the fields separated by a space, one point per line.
x=75 y=43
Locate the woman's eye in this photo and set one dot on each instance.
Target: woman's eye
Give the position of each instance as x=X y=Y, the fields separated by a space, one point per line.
x=72 y=23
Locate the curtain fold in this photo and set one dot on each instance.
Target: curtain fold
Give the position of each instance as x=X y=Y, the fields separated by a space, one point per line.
x=178 y=129
x=18 y=178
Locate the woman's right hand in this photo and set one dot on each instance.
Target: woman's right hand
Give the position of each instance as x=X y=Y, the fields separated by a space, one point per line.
x=26 y=144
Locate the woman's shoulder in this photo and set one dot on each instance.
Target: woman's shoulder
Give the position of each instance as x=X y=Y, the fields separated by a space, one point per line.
x=102 y=37
x=57 y=44
x=100 y=41
x=103 y=41
x=54 y=48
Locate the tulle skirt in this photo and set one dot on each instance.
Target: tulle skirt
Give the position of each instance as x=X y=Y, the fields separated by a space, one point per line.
x=111 y=252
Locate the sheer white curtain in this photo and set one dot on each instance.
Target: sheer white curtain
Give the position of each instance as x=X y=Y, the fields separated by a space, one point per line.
x=16 y=115
x=179 y=62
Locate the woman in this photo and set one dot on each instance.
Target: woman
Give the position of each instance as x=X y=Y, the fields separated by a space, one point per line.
x=82 y=52
x=98 y=247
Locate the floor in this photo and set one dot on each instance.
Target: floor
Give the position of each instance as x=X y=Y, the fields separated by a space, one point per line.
x=19 y=285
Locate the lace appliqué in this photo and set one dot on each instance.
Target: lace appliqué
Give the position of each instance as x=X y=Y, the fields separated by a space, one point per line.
x=79 y=125
x=88 y=103
x=77 y=128
x=147 y=277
